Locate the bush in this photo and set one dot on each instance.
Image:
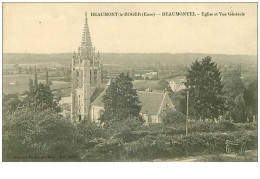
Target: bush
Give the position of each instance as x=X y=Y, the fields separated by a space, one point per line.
x=105 y=150
x=124 y=129
x=161 y=146
x=173 y=117
x=36 y=136
x=247 y=126
x=224 y=125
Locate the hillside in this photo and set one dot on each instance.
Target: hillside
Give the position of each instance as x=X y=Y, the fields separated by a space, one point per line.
x=130 y=59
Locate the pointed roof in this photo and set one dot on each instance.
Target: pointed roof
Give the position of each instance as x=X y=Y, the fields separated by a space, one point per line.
x=152 y=102
x=86 y=39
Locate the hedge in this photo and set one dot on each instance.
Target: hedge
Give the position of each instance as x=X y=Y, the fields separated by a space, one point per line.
x=162 y=146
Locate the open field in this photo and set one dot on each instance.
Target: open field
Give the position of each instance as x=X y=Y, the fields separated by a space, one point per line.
x=143 y=84
x=22 y=83
x=177 y=78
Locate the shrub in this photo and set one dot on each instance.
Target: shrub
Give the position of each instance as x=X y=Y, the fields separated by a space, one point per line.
x=105 y=150
x=124 y=129
x=247 y=126
x=173 y=117
x=162 y=146
x=36 y=136
x=224 y=125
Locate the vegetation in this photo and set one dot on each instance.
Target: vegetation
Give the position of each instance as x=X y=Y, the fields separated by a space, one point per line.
x=40 y=96
x=234 y=89
x=46 y=136
x=250 y=99
x=206 y=89
x=33 y=129
x=121 y=100
x=173 y=117
x=37 y=135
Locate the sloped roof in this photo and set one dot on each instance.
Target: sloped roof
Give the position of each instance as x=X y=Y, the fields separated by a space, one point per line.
x=98 y=100
x=151 y=101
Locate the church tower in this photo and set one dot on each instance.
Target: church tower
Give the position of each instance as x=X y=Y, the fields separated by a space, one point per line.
x=86 y=75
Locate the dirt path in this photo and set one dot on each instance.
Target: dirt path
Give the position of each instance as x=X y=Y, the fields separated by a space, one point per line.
x=250 y=156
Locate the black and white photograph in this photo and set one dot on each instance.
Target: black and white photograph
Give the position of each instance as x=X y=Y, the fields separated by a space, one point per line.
x=129 y=82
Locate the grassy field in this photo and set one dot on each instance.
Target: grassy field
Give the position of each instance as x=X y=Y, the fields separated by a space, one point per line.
x=177 y=78
x=153 y=84
x=143 y=84
x=23 y=83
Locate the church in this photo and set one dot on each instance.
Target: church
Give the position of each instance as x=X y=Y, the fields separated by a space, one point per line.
x=86 y=79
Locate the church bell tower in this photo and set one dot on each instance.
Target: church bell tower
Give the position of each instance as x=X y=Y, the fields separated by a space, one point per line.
x=86 y=75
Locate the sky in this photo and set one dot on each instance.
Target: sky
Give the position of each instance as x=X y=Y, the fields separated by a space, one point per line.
x=58 y=27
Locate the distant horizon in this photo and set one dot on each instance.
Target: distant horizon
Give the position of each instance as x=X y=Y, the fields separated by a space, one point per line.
x=133 y=53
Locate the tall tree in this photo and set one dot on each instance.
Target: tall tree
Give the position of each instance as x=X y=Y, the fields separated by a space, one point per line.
x=40 y=96
x=234 y=102
x=121 y=100
x=35 y=77
x=205 y=89
x=250 y=98
x=47 y=77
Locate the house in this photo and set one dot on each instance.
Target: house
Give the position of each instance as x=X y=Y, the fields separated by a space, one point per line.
x=175 y=86
x=153 y=103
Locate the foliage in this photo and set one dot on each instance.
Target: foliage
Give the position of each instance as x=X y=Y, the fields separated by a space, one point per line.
x=193 y=127
x=121 y=100
x=170 y=116
x=233 y=84
x=238 y=112
x=204 y=84
x=250 y=99
x=10 y=103
x=40 y=96
x=180 y=101
x=234 y=102
x=46 y=136
x=42 y=135
x=105 y=150
x=164 y=85
x=247 y=126
x=153 y=147
x=124 y=129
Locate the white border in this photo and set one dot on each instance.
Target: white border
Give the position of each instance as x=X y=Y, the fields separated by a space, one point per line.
x=158 y=170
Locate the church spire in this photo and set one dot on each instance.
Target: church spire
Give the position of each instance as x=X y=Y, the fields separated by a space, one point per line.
x=86 y=39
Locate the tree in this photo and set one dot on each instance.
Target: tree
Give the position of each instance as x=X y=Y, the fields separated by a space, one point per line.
x=173 y=117
x=205 y=89
x=233 y=84
x=234 y=103
x=33 y=136
x=40 y=96
x=250 y=98
x=121 y=100
x=164 y=85
x=238 y=112
x=10 y=103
